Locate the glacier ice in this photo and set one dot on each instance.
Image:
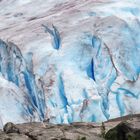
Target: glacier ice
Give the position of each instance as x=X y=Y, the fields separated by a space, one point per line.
x=85 y=68
x=55 y=34
x=14 y=69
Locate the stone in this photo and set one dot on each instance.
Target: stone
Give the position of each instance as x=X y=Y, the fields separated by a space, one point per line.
x=125 y=128
x=123 y=131
x=10 y=128
x=14 y=136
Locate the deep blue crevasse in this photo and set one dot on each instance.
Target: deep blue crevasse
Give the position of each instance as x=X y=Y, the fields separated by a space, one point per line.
x=90 y=70
x=56 y=36
x=62 y=92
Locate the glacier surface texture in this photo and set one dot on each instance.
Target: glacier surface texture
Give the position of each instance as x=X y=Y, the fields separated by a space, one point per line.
x=69 y=60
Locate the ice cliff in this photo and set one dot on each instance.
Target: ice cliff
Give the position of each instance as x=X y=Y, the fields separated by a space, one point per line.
x=67 y=61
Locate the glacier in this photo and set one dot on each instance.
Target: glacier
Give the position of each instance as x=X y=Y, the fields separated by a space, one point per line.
x=68 y=61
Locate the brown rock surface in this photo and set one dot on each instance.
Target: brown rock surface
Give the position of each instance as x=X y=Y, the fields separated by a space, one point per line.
x=74 y=131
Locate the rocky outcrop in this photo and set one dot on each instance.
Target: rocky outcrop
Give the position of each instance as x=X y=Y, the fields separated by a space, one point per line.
x=10 y=128
x=125 y=128
x=123 y=131
x=45 y=131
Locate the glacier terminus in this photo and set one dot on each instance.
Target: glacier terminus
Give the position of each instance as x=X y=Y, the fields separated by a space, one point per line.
x=69 y=61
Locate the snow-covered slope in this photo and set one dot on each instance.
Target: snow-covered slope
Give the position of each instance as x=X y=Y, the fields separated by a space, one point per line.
x=73 y=60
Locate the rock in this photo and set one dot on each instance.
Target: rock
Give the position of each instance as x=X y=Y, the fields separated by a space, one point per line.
x=10 y=128
x=13 y=136
x=64 y=139
x=46 y=134
x=125 y=128
x=123 y=131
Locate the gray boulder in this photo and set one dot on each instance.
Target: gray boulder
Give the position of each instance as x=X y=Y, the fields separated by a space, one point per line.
x=10 y=128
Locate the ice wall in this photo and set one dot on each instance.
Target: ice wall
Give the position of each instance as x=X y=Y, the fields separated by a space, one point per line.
x=73 y=61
